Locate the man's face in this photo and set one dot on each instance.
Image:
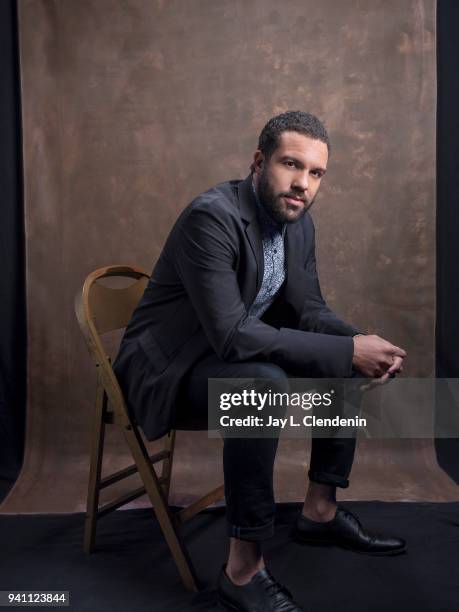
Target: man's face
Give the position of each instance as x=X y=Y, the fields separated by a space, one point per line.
x=288 y=181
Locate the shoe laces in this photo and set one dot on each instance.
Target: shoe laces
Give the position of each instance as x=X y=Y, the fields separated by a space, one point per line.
x=352 y=517
x=371 y=537
x=275 y=588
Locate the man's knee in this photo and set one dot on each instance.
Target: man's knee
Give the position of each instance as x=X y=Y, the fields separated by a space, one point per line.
x=266 y=379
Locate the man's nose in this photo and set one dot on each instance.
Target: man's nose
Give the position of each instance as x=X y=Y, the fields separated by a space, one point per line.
x=301 y=181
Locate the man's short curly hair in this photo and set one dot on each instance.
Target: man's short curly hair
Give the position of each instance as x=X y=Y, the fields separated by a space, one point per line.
x=291 y=121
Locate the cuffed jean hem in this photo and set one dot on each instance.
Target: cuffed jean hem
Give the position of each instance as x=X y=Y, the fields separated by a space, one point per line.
x=251 y=533
x=331 y=479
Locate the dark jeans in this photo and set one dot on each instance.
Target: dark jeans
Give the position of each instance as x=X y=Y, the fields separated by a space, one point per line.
x=248 y=463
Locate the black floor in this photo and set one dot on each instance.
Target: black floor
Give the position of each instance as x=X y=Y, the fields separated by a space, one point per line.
x=133 y=571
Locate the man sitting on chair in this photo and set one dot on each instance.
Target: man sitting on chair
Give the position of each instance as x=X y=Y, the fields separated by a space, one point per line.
x=235 y=294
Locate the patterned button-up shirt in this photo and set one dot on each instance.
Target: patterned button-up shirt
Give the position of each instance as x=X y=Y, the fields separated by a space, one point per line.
x=272 y=235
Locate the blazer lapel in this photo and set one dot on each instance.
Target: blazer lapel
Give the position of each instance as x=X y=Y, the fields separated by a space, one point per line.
x=247 y=204
x=296 y=273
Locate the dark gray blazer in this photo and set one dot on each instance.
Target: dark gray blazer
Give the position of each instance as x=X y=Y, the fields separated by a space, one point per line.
x=196 y=301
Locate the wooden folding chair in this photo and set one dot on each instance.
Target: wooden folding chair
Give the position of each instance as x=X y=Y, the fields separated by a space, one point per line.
x=101 y=309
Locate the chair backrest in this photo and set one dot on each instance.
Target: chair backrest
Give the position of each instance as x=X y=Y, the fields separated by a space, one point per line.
x=101 y=309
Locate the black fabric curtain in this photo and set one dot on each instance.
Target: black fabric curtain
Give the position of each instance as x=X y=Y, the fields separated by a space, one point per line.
x=447 y=324
x=12 y=286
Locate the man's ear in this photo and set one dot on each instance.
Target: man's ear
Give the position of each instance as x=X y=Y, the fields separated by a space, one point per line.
x=258 y=162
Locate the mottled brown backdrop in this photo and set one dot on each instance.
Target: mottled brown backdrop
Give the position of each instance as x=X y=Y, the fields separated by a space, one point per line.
x=132 y=107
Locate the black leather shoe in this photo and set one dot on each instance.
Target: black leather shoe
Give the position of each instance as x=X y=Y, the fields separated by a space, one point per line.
x=345 y=530
x=262 y=594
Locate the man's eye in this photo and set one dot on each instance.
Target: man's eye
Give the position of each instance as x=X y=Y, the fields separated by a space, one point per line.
x=290 y=164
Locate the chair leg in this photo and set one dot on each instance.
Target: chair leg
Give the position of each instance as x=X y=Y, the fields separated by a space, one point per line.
x=165 y=519
x=166 y=472
x=97 y=449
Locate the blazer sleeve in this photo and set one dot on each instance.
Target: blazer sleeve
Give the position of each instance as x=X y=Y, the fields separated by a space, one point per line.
x=316 y=316
x=206 y=253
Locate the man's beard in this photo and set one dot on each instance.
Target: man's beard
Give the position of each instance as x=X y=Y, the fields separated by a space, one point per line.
x=273 y=204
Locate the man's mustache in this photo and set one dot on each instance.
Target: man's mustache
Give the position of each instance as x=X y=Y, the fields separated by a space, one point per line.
x=295 y=196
